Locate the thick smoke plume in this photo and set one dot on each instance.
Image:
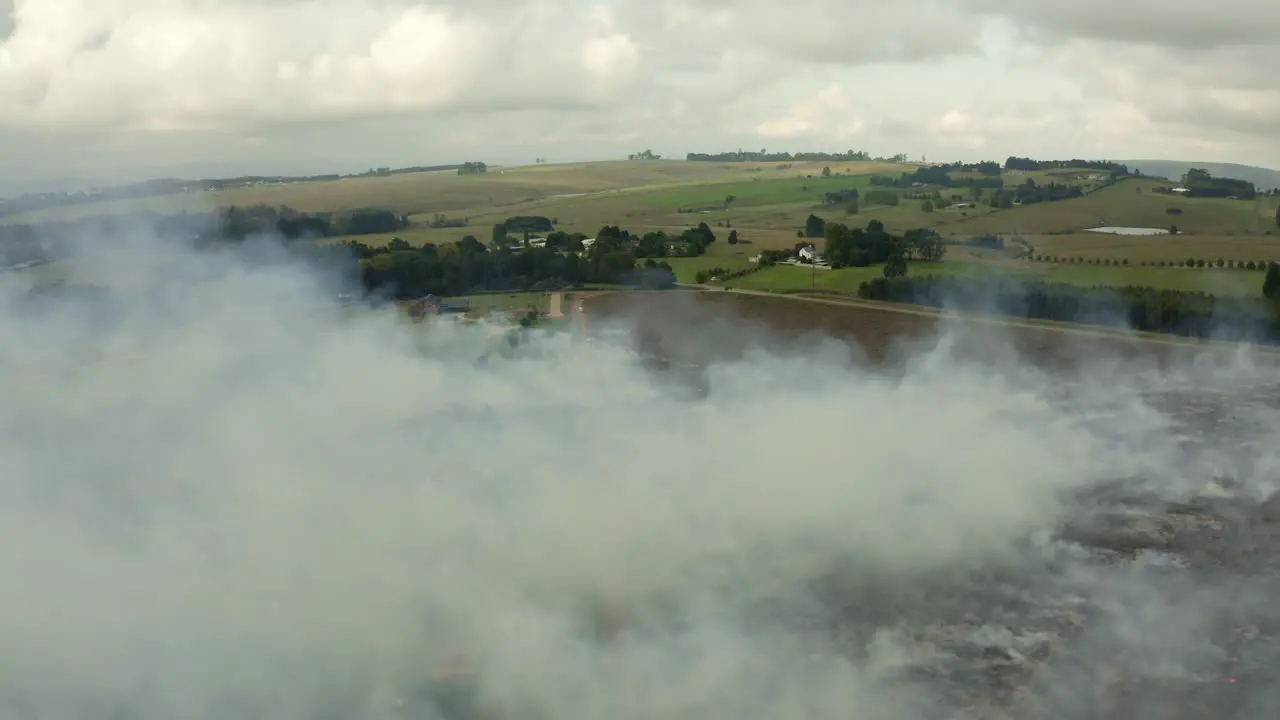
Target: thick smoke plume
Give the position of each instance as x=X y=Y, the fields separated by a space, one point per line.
x=224 y=493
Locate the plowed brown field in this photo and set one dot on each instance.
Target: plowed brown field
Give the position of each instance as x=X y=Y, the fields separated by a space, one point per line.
x=704 y=326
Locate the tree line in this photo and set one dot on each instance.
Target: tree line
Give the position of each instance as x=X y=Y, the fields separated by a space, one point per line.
x=1030 y=192
x=1029 y=165
x=936 y=175
x=237 y=223
x=766 y=156
x=1192 y=314
x=401 y=271
x=986 y=167
x=1199 y=183
x=1191 y=262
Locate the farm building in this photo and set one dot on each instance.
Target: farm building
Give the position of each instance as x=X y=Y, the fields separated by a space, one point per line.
x=435 y=305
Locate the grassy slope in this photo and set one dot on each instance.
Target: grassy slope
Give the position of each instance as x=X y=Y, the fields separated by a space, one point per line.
x=1216 y=282
x=428 y=193
x=1258 y=248
x=1129 y=203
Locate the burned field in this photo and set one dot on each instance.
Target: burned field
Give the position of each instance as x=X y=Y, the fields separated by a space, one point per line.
x=1151 y=598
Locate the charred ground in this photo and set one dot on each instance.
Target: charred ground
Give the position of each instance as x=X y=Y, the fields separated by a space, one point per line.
x=1148 y=601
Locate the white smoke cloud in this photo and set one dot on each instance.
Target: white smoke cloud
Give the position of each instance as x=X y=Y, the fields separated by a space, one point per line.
x=229 y=496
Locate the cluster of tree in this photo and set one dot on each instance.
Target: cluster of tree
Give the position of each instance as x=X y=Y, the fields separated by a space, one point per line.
x=1140 y=308
x=721 y=274
x=645 y=154
x=1199 y=183
x=935 y=199
x=690 y=243
x=521 y=226
x=860 y=247
x=936 y=175
x=837 y=197
x=1029 y=165
x=986 y=167
x=472 y=168
x=769 y=258
x=238 y=223
x=1031 y=192
x=814 y=227
x=782 y=157
x=401 y=271
x=882 y=197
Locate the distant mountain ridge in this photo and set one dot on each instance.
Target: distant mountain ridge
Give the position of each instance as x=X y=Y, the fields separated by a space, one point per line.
x=1262 y=178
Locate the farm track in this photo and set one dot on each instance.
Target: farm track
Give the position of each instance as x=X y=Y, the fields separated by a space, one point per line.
x=1057 y=662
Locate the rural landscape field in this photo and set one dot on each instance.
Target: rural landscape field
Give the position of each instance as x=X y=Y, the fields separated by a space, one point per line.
x=888 y=437
x=635 y=360
x=768 y=203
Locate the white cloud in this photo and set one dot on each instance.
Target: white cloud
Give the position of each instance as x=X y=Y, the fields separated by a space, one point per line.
x=831 y=109
x=87 y=85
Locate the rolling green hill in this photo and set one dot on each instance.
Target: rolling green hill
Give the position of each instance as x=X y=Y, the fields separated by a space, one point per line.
x=1129 y=203
x=1263 y=178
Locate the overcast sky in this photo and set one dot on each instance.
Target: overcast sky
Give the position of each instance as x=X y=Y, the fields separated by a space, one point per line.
x=91 y=88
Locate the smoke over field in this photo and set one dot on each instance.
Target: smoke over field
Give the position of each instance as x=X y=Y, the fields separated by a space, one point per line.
x=223 y=495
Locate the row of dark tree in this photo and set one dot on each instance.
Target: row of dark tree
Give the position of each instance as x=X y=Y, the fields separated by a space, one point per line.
x=401 y=271
x=1029 y=165
x=1147 y=309
x=936 y=175
x=765 y=156
x=238 y=223
x=986 y=167
x=1199 y=183
x=1030 y=192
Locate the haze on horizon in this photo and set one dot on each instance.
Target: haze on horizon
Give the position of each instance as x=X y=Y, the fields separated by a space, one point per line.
x=109 y=90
